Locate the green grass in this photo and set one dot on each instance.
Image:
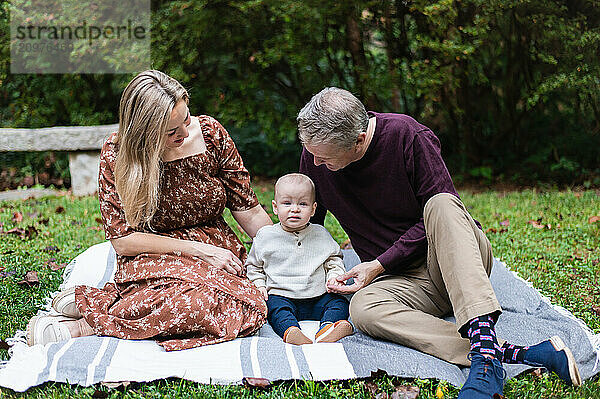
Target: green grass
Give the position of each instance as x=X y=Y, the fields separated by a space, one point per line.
x=561 y=260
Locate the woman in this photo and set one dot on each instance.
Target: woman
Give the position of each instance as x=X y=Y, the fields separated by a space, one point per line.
x=165 y=179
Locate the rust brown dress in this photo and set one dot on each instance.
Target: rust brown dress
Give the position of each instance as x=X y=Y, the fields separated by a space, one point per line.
x=179 y=300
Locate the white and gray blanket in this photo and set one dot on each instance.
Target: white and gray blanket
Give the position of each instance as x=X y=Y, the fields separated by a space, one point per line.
x=528 y=318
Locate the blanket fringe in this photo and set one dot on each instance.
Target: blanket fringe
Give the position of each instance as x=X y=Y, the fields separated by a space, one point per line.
x=593 y=338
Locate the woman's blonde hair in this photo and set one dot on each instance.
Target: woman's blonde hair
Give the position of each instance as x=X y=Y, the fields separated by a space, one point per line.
x=144 y=114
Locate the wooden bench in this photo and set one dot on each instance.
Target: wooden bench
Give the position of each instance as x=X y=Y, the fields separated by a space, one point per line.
x=83 y=143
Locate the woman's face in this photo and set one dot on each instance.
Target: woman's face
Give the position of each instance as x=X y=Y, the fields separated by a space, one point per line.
x=178 y=123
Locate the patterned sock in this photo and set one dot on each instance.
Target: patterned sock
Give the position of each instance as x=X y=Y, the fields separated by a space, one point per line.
x=513 y=354
x=483 y=337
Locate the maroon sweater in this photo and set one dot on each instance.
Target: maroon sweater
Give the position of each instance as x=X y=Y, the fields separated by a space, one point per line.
x=379 y=199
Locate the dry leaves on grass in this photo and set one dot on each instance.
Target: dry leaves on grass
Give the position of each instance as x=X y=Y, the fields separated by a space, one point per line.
x=17 y=217
x=31 y=278
x=593 y=219
x=596 y=309
x=405 y=392
x=23 y=233
x=539 y=225
x=59 y=209
x=55 y=266
x=257 y=382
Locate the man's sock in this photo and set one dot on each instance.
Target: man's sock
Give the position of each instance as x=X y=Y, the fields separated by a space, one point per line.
x=514 y=354
x=483 y=337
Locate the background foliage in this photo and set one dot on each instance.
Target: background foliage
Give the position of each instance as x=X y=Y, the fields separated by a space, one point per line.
x=511 y=87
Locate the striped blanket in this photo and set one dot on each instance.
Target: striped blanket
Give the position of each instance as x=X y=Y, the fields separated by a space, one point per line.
x=89 y=360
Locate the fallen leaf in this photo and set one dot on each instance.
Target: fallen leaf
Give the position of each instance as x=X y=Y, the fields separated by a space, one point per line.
x=51 y=248
x=536 y=224
x=97 y=228
x=59 y=209
x=371 y=388
x=504 y=222
x=536 y=373
x=4 y=345
x=25 y=233
x=498 y=396
x=593 y=219
x=382 y=395
x=405 y=392
x=55 y=266
x=596 y=310
x=99 y=394
x=346 y=244
x=31 y=278
x=17 y=217
x=44 y=221
x=578 y=195
x=99 y=220
x=257 y=382
x=441 y=391
x=491 y=230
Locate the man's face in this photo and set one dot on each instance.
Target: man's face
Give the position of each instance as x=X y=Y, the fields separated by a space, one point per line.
x=332 y=156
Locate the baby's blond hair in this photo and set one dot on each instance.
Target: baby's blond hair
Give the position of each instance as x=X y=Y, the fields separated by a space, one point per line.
x=296 y=178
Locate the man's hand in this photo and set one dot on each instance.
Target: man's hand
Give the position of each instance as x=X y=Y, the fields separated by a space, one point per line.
x=263 y=291
x=333 y=282
x=363 y=274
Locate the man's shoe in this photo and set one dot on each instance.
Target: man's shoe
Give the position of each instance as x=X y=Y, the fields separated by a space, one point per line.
x=555 y=357
x=486 y=378
x=64 y=303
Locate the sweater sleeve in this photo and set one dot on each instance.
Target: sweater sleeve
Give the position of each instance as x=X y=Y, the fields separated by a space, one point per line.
x=428 y=176
x=306 y=160
x=334 y=264
x=255 y=266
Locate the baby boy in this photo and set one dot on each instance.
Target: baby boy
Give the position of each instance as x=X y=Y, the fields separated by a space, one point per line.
x=291 y=263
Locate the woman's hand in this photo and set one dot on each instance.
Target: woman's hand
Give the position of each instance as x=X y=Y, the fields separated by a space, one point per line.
x=263 y=291
x=220 y=257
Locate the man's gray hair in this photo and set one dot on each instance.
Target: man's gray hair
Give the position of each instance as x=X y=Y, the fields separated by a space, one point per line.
x=332 y=116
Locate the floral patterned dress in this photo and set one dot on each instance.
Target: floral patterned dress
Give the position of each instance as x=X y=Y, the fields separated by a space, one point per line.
x=176 y=299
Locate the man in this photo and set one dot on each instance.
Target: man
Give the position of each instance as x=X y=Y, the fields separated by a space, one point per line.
x=423 y=256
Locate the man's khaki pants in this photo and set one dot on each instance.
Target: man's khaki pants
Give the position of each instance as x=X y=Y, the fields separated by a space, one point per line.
x=407 y=309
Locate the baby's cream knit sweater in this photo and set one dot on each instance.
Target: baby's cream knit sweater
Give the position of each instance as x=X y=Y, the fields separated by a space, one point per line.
x=294 y=265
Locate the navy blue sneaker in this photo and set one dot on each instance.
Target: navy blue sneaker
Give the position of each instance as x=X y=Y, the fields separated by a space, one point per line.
x=486 y=378
x=555 y=357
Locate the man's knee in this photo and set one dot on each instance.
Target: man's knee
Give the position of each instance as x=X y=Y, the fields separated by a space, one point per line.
x=441 y=205
x=362 y=311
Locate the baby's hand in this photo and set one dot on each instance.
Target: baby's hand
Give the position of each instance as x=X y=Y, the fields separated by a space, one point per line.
x=263 y=291
x=332 y=283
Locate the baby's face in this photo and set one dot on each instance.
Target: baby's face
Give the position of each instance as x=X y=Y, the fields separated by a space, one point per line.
x=294 y=205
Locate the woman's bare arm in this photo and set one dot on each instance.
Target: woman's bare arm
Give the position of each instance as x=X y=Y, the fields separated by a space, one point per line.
x=137 y=243
x=252 y=219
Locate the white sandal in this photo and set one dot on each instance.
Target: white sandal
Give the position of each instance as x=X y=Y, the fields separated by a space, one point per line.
x=45 y=329
x=64 y=303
